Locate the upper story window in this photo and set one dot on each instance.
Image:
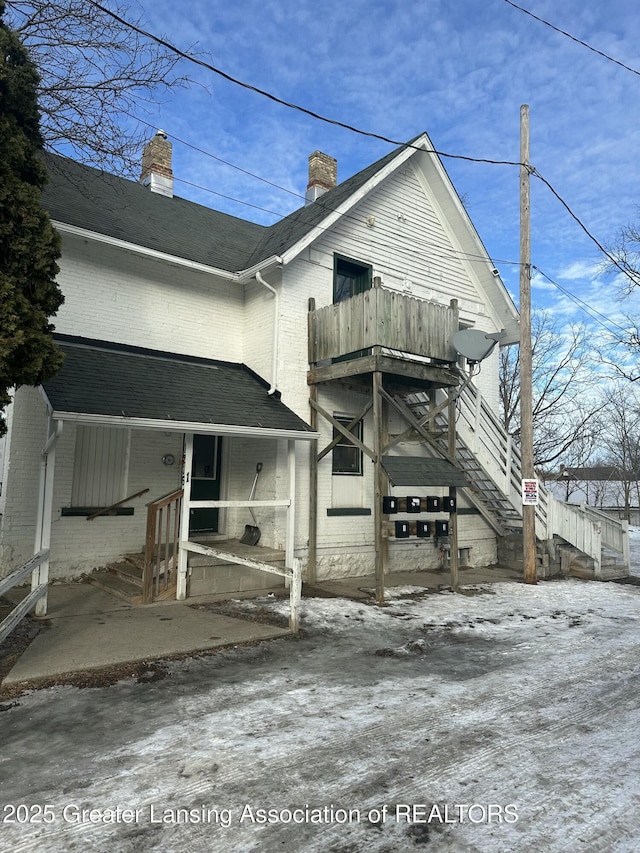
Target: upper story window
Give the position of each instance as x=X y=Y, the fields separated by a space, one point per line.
x=349 y=278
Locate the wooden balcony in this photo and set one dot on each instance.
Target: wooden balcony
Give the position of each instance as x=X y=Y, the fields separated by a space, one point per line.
x=382 y=329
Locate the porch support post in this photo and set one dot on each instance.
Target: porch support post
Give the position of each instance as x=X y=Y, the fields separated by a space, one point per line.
x=181 y=584
x=453 y=517
x=295 y=593
x=313 y=490
x=40 y=574
x=291 y=510
x=378 y=486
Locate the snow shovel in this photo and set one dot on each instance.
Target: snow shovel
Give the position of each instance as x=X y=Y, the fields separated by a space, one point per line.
x=251 y=535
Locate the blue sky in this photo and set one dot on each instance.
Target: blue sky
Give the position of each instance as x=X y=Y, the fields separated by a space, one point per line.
x=457 y=69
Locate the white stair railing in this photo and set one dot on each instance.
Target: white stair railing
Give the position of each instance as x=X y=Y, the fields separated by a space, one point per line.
x=582 y=526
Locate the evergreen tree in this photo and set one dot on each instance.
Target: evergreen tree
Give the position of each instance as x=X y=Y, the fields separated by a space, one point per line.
x=29 y=245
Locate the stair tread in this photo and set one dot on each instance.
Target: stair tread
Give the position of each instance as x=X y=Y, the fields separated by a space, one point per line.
x=116 y=585
x=127 y=571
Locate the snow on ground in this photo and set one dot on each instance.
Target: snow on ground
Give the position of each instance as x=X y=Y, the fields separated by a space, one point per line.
x=504 y=718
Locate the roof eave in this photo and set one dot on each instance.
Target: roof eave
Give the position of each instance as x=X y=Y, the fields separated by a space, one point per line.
x=183 y=426
x=65 y=228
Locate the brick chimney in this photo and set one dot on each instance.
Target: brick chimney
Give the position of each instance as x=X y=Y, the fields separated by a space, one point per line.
x=156 y=165
x=323 y=175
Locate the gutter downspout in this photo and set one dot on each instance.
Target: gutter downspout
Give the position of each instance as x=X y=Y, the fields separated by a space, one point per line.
x=276 y=332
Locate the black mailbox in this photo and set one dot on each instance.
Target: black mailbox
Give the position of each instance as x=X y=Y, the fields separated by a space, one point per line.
x=423 y=529
x=442 y=528
x=433 y=503
x=389 y=504
x=413 y=504
x=402 y=529
x=449 y=504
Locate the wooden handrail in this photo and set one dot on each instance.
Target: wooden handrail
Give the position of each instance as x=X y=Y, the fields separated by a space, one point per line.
x=161 y=544
x=107 y=509
x=158 y=503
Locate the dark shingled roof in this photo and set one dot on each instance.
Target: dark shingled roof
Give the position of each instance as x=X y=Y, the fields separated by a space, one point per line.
x=421 y=471
x=114 y=380
x=117 y=207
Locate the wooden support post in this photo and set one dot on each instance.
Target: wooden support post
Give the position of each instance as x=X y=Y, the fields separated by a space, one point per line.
x=295 y=594
x=181 y=581
x=313 y=491
x=378 y=487
x=40 y=575
x=291 y=509
x=453 y=517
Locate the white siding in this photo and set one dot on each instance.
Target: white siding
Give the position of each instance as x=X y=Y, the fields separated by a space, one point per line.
x=115 y=295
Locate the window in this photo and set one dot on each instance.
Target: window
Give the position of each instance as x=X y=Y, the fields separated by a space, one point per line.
x=346 y=457
x=349 y=278
x=100 y=466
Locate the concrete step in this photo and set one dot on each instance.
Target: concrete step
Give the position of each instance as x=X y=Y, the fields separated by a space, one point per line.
x=128 y=571
x=117 y=586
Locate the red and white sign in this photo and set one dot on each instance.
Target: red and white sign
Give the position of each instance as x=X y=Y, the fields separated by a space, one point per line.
x=530 y=492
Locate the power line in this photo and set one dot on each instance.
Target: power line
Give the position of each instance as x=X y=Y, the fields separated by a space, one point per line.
x=468 y=256
x=588 y=309
x=372 y=135
x=629 y=273
x=573 y=38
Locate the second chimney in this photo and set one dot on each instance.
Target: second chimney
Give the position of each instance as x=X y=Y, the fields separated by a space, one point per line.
x=156 y=165
x=323 y=175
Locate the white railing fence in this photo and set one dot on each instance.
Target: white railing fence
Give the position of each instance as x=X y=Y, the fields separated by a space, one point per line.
x=37 y=593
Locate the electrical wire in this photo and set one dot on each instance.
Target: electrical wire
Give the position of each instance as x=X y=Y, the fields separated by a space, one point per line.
x=574 y=38
x=629 y=274
x=585 y=306
x=207 y=65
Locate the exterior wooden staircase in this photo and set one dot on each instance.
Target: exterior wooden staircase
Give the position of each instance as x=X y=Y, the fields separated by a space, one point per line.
x=575 y=540
x=124 y=579
x=151 y=575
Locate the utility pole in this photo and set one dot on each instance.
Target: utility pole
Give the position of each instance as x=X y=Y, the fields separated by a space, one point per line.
x=526 y=392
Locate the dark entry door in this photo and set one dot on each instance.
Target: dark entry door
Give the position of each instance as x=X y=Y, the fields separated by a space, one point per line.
x=205 y=482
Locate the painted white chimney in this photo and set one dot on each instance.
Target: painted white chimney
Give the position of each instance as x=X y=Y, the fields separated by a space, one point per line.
x=323 y=175
x=156 y=165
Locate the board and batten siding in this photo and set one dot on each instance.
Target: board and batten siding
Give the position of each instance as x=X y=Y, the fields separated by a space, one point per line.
x=100 y=467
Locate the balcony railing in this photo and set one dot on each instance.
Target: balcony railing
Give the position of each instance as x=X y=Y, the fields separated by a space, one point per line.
x=385 y=318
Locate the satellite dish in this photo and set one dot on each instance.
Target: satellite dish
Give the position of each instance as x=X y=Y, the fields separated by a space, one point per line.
x=475 y=345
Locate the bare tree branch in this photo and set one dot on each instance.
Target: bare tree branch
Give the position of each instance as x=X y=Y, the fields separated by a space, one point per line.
x=94 y=74
x=565 y=419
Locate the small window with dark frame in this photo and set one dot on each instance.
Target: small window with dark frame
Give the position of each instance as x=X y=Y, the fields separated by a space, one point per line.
x=346 y=458
x=349 y=278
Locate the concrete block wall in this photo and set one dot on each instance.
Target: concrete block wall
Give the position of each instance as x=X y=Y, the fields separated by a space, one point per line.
x=230 y=578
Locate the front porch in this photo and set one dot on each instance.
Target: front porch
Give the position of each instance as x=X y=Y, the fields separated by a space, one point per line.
x=207 y=575
x=120 y=423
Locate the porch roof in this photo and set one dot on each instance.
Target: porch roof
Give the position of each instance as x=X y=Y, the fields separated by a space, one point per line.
x=422 y=471
x=114 y=384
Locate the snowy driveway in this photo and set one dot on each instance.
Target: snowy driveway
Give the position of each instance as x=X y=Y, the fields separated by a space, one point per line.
x=502 y=720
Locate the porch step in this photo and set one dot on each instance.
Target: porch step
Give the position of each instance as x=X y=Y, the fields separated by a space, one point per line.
x=127 y=570
x=116 y=585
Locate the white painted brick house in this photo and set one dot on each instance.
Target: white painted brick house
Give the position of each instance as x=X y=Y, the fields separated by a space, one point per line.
x=189 y=362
